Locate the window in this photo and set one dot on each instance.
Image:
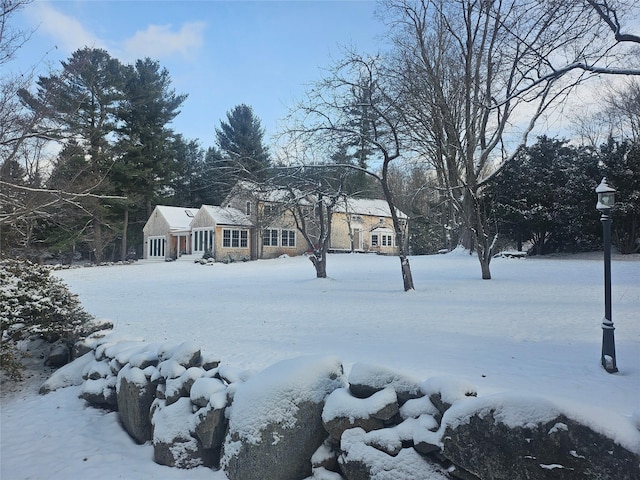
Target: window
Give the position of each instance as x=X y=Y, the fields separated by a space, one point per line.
x=248 y=208
x=270 y=237
x=234 y=238
x=202 y=240
x=288 y=238
x=156 y=246
x=374 y=240
x=386 y=240
x=269 y=210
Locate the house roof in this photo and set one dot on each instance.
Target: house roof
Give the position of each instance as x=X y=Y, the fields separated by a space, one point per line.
x=178 y=218
x=366 y=206
x=227 y=215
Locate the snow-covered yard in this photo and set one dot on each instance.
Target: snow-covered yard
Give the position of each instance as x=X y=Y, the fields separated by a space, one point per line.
x=533 y=329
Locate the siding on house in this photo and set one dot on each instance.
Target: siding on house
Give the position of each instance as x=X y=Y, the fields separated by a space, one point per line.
x=364 y=225
x=224 y=231
x=266 y=211
x=166 y=232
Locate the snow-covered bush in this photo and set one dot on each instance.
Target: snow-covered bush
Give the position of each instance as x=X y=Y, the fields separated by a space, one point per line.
x=33 y=303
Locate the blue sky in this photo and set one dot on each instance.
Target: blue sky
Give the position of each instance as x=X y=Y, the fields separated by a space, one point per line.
x=221 y=53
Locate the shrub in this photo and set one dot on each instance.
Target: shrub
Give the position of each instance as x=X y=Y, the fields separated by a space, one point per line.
x=33 y=303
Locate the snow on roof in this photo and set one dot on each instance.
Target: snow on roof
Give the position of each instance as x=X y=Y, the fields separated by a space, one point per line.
x=366 y=206
x=227 y=215
x=178 y=218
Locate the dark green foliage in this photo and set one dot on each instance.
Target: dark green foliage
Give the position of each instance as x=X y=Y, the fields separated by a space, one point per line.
x=546 y=196
x=622 y=169
x=33 y=303
x=242 y=153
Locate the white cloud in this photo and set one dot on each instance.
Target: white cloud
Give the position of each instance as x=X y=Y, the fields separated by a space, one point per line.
x=160 y=41
x=67 y=32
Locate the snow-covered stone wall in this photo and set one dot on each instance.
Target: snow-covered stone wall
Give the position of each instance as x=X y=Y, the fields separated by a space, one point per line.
x=305 y=418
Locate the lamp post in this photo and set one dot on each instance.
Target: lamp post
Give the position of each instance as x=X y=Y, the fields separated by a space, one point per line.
x=606 y=201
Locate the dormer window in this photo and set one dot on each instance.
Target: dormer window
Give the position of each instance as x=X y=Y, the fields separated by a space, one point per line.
x=248 y=208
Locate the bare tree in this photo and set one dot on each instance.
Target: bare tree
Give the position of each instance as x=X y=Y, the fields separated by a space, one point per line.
x=329 y=117
x=484 y=73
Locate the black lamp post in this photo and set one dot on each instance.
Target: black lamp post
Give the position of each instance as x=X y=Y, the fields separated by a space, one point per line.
x=606 y=201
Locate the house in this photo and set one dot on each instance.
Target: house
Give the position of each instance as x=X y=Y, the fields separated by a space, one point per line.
x=275 y=232
x=258 y=223
x=224 y=232
x=167 y=233
x=364 y=225
x=358 y=224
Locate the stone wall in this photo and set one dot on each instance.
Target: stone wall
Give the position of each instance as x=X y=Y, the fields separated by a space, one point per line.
x=305 y=419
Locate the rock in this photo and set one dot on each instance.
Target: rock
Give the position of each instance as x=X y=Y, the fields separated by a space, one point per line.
x=365 y=380
x=362 y=461
x=206 y=389
x=513 y=437
x=58 y=356
x=174 y=440
x=68 y=375
x=100 y=393
x=275 y=422
x=343 y=411
x=135 y=394
x=181 y=386
x=187 y=354
x=444 y=391
x=210 y=426
x=326 y=457
x=96 y=370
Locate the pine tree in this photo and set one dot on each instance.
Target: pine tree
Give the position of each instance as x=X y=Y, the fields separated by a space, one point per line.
x=243 y=153
x=82 y=100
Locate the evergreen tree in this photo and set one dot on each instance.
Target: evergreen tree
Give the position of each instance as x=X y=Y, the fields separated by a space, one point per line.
x=147 y=164
x=622 y=169
x=82 y=100
x=243 y=153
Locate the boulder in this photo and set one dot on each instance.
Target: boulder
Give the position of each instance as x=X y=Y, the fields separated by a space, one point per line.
x=135 y=394
x=210 y=426
x=59 y=355
x=443 y=391
x=70 y=374
x=343 y=411
x=275 y=422
x=174 y=440
x=513 y=437
x=366 y=379
x=100 y=393
x=362 y=459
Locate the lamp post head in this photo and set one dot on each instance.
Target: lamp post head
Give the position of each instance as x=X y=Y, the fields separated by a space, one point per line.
x=606 y=196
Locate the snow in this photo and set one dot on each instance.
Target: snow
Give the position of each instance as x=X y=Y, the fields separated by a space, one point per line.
x=407 y=464
x=451 y=389
x=341 y=404
x=70 y=374
x=380 y=376
x=210 y=389
x=266 y=398
x=516 y=410
x=535 y=329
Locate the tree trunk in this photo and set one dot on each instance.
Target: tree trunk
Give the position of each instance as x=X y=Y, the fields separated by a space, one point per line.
x=97 y=240
x=484 y=266
x=125 y=225
x=320 y=264
x=407 y=277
